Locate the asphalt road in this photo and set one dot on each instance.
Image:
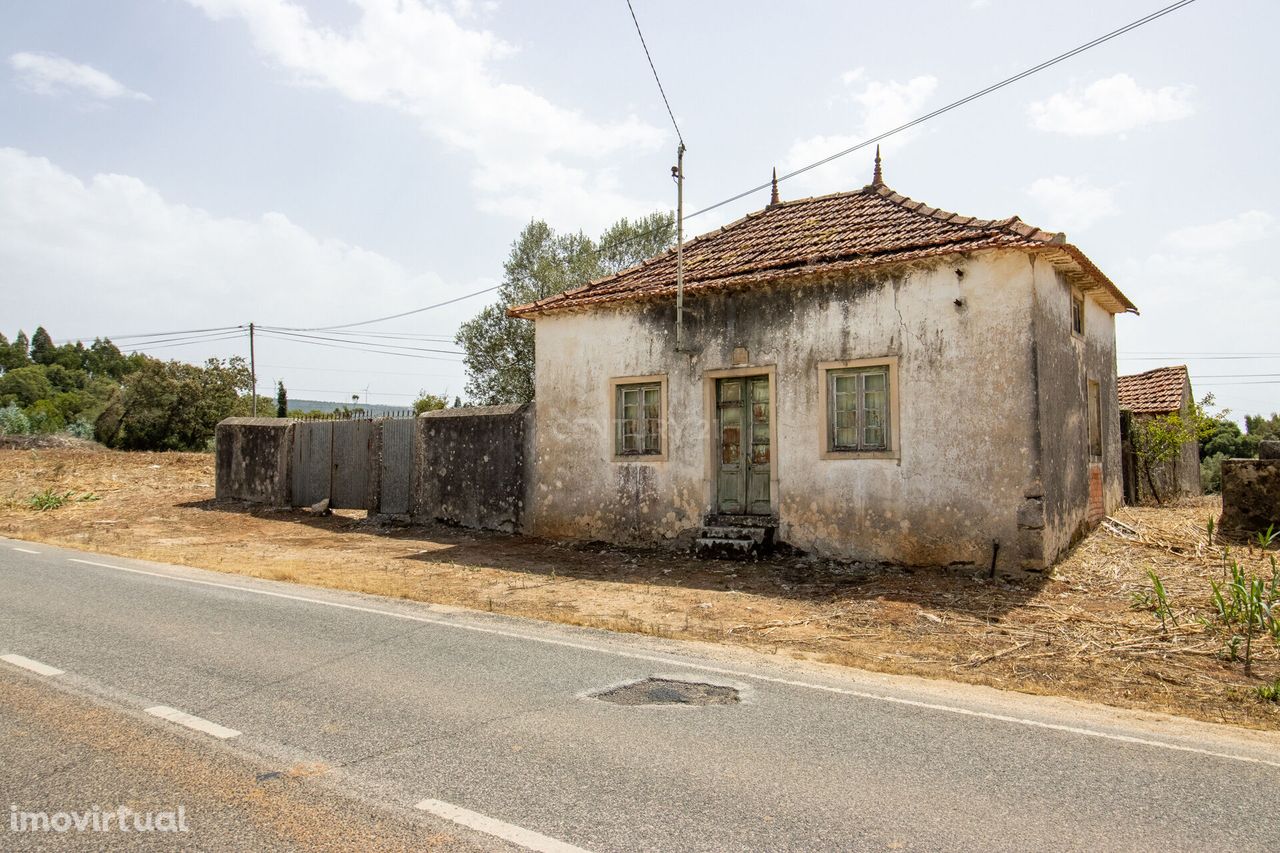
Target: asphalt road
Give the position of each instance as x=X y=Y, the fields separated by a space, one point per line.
x=363 y=708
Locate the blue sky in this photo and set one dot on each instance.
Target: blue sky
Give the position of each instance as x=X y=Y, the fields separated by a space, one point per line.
x=179 y=164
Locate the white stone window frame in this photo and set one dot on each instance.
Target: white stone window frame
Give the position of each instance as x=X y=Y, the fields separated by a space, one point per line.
x=826 y=413
x=616 y=387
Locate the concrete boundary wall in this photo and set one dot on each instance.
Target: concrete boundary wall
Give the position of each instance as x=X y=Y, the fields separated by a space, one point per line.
x=470 y=466
x=1250 y=496
x=463 y=466
x=253 y=456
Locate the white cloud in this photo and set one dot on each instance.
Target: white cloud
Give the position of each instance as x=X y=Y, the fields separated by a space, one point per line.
x=126 y=259
x=533 y=157
x=877 y=106
x=1247 y=227
x=1111 y=105
x=48 y=74
x=1071 y=204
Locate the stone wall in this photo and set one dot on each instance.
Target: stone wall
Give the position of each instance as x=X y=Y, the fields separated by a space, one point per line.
x=469 y=466
x=253 y=460
x=1250 y=496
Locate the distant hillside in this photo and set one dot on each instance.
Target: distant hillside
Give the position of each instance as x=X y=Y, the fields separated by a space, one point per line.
x=374 y=409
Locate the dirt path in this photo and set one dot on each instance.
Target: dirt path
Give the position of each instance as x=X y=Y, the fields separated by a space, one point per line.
x=1077 y=633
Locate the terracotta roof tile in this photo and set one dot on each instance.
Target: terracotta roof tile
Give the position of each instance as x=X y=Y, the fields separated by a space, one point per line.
x=873 y=226
x=1155 y=392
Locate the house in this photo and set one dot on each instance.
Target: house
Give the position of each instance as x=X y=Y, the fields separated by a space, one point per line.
x=862 y=376
x=1156 y=393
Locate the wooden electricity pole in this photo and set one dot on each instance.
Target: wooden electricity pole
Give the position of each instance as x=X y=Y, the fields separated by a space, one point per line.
x=253 y=375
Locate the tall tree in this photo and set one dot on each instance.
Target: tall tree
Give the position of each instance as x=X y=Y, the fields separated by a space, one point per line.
x=19 y=351
x=498 y=350
x=282 y=401
x=42 y=349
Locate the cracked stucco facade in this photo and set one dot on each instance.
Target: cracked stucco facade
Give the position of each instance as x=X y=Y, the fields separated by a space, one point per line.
x=991 y=441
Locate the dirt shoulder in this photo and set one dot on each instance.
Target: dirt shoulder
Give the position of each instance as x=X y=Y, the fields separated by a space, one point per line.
x=1077 y=633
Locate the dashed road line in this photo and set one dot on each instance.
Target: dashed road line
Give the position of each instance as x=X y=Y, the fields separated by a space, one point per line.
x=33 y=665
x=734 y=673
x=199 y=724
x=526 y=838
x=23 y=550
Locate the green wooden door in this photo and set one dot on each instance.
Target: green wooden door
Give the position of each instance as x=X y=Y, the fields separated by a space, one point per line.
x=742 y=425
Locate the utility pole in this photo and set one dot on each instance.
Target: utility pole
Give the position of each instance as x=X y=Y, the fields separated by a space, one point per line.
x=253 y=375
x=677 y=172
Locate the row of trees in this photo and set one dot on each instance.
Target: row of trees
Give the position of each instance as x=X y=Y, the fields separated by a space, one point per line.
x=130 y=402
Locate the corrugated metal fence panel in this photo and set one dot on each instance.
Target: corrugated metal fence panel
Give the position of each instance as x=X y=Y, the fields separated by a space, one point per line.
x=397 y=465
x=312 y=461
x=352 y=461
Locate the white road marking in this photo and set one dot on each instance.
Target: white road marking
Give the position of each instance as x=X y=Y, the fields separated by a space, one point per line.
x=200 y=724
x=33 y=665
x=733 y=673
x=24 y=550
x=525 y=838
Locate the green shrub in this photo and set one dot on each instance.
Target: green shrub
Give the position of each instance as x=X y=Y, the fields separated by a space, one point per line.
x=48 y=499
x=1211 y=473
x=13 y=421
x=45 y=417
x=81 y=428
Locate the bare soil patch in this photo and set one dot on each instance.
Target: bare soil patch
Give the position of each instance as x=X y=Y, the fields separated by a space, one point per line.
x=1076 y=633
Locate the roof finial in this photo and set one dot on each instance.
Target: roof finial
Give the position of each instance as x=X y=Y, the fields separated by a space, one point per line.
x=877 y=177
x=773 y=199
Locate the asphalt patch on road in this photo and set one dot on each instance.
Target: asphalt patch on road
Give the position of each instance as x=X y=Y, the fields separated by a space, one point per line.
x=667 y=691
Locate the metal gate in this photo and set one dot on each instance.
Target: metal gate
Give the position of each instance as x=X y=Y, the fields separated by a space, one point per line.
x=334 y=460
x=396 y=474
x=312 y=461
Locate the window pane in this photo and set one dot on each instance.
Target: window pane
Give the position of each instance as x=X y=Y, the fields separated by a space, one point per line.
x=873 y=408
x=639 y=419
x=859 y=408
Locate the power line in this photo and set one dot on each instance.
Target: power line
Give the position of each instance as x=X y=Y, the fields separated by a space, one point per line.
x=274 y=336
x=114 y=338
x=1200 y=357
x=1133 y=25
x=934 y=114
x=304 y=336
x=355 y=370
x=390 y=316
x=654 y=69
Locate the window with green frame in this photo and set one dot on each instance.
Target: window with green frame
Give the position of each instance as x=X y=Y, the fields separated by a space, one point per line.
x=858 y=408
x=638 y=413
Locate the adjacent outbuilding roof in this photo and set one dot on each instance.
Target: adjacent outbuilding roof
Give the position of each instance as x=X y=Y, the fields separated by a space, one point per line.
x=870 y=227
x=1156 y=392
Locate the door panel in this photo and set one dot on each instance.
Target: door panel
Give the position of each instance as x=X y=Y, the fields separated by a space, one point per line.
x=743 y=466
x=758 y=471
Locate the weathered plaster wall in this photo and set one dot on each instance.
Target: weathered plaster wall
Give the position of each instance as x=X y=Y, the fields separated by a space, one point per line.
x=252 y=460
x=469 y=466
x=1064 y=364
x=966 y=428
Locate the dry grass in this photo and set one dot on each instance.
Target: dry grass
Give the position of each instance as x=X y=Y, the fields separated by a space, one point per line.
x=1076 y=633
